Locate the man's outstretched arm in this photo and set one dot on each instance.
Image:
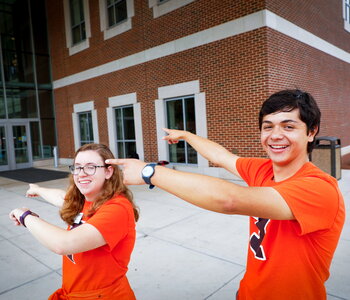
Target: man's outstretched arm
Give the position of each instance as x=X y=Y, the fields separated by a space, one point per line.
x=209 y=192
x=210 y=150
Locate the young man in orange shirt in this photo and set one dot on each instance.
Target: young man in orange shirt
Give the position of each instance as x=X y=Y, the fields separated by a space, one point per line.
x=296 y=210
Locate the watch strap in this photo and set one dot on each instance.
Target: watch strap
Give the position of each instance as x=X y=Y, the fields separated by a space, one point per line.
x=147 y=179
x=24 y=215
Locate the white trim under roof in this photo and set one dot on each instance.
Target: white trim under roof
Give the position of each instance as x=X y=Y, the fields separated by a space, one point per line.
x=245 y=24
x=160 y=9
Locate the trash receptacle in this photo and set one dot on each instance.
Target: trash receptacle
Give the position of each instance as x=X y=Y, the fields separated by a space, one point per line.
x=326 y=155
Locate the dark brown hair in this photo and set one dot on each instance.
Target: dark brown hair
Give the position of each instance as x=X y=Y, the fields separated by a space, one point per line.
x=74 y=199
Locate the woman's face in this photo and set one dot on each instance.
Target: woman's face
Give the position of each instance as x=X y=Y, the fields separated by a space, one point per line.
x=91 y=179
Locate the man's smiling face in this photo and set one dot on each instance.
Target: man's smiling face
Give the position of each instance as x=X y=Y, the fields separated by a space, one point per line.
x=284 y=137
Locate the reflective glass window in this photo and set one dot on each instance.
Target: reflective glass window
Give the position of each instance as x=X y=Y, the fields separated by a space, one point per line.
x=3 y=146
x=16 y=43
x=117 y=11
x=21 y=103
x=125 y=126
x=77 y=21
x=85 y=126
x=35 y=138
x=2 y=104
x=181 y=116
x=24 y=49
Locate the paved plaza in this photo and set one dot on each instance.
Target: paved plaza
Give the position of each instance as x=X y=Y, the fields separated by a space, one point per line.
x=181 y=252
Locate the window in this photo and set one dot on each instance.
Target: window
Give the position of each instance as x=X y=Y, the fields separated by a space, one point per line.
x=162 y=7
x=21 y=103
x=35 y=139
x=117 y=12
x=346 y=14
x=77 y=21
x=3 y=147
x=115 y=16
x=85 y=126
x=77 y=25
x=2 y=104
x=125 y=127
x=181 y=115
x=174 y=109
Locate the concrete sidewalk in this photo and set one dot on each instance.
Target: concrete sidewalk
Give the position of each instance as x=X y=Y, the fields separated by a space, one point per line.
x=182 y=252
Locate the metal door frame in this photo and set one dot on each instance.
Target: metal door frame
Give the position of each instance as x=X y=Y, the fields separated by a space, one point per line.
x=11 y=159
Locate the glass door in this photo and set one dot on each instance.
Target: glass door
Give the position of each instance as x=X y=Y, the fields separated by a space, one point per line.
x=15 y=146
x=3 y=149
x=20 y=144
x=21 y=148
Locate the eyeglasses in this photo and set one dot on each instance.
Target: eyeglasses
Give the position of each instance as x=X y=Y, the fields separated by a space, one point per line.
x=88 y=170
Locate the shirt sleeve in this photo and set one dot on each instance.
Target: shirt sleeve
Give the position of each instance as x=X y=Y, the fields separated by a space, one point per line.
x=251 y=168
x=112 y=220
x=313 y=201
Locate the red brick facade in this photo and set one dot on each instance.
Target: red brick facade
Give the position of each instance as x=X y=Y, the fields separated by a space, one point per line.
x=236 y=73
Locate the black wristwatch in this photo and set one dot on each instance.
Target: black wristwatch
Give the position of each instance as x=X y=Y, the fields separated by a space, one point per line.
x=147 y=172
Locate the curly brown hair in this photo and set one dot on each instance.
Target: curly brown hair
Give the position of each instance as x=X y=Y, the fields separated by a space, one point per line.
x=74 y=199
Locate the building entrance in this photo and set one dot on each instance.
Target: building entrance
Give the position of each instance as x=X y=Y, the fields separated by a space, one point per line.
x=15 y=146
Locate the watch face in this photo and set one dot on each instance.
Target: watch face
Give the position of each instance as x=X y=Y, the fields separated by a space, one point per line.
x=147 y=171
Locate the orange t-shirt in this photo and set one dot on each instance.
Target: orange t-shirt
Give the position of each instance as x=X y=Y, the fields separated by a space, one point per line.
x=103 y=266
x=291 y=259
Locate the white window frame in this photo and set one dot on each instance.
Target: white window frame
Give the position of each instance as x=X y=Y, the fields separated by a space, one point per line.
x=184 y=101
x=73 y=49
x=79 y=108
x=118 y=28
x=88 y=115
x=160 y=9
x=346 y=14
x=180 y=90
x=118 y=101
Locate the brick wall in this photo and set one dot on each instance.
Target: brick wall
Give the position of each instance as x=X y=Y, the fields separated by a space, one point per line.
x=295 y=65
x=236 y=73
x=323 y=18
x=231 y=72
x=146 y=31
